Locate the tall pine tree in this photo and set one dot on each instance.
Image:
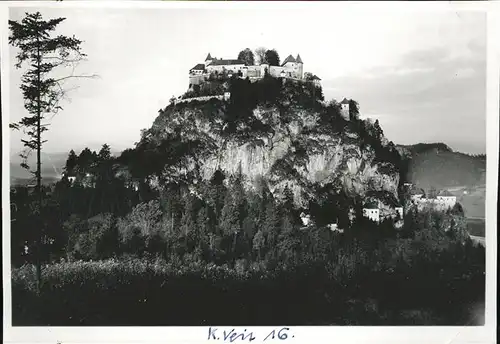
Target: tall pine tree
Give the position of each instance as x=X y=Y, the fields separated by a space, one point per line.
x=42 y=92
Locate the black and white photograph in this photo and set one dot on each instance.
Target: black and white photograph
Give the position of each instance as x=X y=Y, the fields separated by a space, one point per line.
x=248 y=165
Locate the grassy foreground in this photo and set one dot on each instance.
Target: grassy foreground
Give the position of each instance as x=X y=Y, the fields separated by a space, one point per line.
x=147 y=292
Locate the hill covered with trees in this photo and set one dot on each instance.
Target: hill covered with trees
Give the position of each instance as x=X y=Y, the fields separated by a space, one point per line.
x=437 y=165
x=205 y=213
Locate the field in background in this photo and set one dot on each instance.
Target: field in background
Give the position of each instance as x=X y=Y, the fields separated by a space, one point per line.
x=473 y=201
x=438 y=166
x=476 y=227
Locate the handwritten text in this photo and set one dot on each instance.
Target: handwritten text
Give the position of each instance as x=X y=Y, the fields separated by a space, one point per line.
x=234 y=335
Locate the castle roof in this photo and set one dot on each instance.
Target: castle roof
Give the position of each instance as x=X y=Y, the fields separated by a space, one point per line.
x=288 y=59
x=416 y=191
x=345 y=101
x=445 y=193
x=199 y=66
x=315 y=77
x=222 y=62
x=208 y=57
x=298 y=59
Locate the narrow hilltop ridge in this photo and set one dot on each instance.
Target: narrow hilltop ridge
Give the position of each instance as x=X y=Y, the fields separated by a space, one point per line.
x=437 y=165
x=275 y=131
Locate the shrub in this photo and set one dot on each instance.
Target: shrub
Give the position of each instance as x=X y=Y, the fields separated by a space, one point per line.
x=140 y=229
x=131 y=291
x=93 y=238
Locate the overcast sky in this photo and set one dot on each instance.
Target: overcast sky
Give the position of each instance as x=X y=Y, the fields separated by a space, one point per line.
x=422 y=74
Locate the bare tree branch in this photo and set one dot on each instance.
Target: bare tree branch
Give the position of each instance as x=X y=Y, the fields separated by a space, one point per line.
x=93 y=76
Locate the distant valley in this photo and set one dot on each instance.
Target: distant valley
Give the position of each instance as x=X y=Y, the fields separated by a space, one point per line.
x=437 y=165
x=52 y=168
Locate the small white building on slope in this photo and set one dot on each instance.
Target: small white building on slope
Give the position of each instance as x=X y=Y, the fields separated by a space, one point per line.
x=344 y=109
x=371 y=210
x=372 y=214
x=447 y=199
x=400 y=211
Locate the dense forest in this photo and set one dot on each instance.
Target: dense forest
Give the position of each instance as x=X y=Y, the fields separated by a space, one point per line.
x=118 y=249
x=241 y=251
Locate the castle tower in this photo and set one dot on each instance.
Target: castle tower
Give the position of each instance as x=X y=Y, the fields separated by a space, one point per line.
x=344 y=109
x=290 y=66
x=300 y=67
x=208 y=60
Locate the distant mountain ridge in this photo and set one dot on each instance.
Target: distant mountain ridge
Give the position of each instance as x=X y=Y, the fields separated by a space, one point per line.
x=437 y=165
x=423 y=147
x=52 y=167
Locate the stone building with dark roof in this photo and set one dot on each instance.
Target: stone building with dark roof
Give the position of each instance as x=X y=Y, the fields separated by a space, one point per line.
x=198 y=69
x=290 y=58
x=292 y=67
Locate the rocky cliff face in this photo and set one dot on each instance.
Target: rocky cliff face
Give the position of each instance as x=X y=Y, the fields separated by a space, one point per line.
x=291 y=152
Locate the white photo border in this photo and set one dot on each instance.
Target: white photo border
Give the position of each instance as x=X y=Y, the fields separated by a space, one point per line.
x=303 y=334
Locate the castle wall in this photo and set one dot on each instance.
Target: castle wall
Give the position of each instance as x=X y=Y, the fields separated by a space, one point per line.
x=254 y=71
x=225 y=96
x=276 y=71
x=290 y=70
x=211 y=69
x=188 y=100
x=196 y=79
x=221 y=68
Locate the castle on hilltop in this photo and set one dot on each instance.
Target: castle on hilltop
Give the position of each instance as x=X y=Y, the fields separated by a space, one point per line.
x=291 y=68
